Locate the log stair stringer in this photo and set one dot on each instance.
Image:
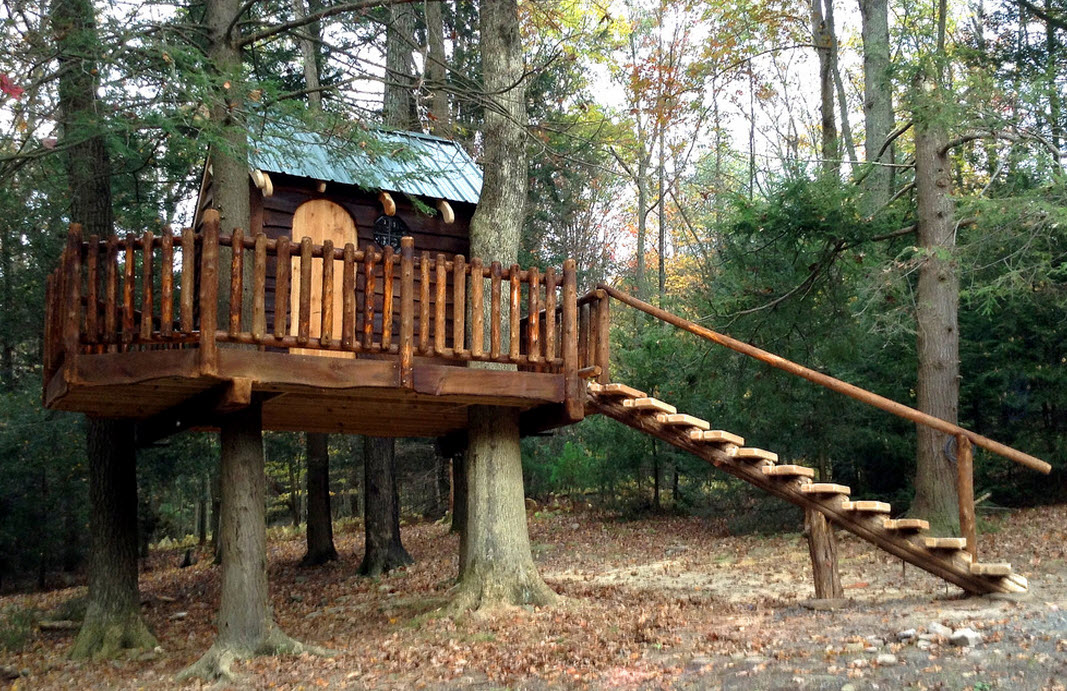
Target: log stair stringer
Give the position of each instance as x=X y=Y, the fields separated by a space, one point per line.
x=946 y=558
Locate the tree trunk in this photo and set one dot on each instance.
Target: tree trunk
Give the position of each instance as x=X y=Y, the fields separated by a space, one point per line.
x=309 y=55
x=113 y=622
x=381 y=524
x=216 y=518
x=496 y=565
x=845 y=142
x=822 y=546
x=820 y=36
x=436 y=72
x=201 y=517
x=398 y=107
x=245 y=625
x=459 y=495
x=877 y=104
x=936 y=312
x=320 y=547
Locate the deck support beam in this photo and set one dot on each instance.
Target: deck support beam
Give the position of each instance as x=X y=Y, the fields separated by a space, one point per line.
x=201 y=410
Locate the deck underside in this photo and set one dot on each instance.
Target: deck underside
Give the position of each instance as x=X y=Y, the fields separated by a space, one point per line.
x=171 y=389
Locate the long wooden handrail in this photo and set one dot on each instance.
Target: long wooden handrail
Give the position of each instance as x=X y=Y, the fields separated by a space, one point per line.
x=842 y=387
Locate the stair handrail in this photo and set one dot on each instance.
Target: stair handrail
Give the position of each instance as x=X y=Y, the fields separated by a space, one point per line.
x=832 y=383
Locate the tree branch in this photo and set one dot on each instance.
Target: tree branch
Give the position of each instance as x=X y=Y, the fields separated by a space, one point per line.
x=358 y=6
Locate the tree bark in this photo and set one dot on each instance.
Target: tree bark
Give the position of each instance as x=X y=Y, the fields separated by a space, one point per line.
x=822 y=546
x=113 y=622
x=320 y=548
x=398 y=107
x=820 y=36
x=436 y=72
x=113 y=618
x=245 y=624
x=936 y=313
x=381 y=525
x=877 y=104
x=309 y=55
x=496 y=565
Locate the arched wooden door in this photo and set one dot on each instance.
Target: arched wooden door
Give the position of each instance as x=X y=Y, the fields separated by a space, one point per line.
x=320 y=220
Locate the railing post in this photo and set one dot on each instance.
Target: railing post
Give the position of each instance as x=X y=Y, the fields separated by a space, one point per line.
x=146 y=285
x=237 y=275
x=407 y=310
x=575 y=388
x=603 y=340
x=209 y=293
x=965 y=490
x=72 y=314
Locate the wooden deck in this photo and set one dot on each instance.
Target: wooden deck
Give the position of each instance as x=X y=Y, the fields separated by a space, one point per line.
x=177 y=331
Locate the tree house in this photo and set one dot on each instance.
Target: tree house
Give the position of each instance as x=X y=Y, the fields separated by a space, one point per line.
x=348 y=306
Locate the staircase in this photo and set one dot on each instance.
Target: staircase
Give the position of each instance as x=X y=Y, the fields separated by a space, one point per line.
x=945 y=557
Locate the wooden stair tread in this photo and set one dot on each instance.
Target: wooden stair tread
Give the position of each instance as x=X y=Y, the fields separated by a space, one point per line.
x=945 y=542
x=682 y=419
x=615 y=390
x=826 y=488
x=868 y=506
x=717 y=436
x=905 y=524
x=754 y=454
x=648 y=403
x=991 y=569
x=789 y=471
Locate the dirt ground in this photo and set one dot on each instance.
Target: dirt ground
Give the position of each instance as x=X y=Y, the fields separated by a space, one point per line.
x=652 y=603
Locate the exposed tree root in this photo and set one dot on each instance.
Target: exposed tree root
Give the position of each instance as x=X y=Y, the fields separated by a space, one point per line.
x=216 y=663
x=319 y=558
x=384 y=561
x=102 y=638
x=482 y=590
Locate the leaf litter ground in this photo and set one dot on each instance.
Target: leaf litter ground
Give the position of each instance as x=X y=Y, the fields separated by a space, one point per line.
x=663 y=602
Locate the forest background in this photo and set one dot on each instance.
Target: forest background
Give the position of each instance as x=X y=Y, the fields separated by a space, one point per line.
x=749 y=165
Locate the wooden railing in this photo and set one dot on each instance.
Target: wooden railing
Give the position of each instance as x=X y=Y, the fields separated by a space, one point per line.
x=112 y=295
x=594 y=352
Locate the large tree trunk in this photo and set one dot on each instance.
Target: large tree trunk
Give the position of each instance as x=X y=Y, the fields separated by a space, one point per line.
x=823 y=40
x=113 y=621
x=877 y=104
x=398 y=107
x=381 y=524
x=436 y=72
x=936 y=311
x=320 y=547
x=245 y=624
x=496 y=565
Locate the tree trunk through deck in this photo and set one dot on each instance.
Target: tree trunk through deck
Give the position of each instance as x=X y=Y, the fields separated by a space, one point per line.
x=822 y=546
x=936 y=316
x=245 y=624
x=320 y=547
x=381 y=524
x=113 y=617
x=496 y=565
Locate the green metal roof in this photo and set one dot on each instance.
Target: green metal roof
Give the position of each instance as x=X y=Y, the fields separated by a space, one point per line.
x=407 y=162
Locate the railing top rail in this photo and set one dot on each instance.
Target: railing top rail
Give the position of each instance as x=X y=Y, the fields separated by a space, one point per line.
x=832 y=383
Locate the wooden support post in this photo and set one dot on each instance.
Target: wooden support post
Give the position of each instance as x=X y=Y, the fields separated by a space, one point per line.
x=583 y=336
x=822 y=546
x=237 y=269
x=111 y=293
x=348 y=298
x=259 y=289
x=407 y=310
x=387 y=296
x=440 y=299
x=283 y=267
x=188 y=278
x=166 y=284
x=514 y=305
x=368 y=296
x=128 y=290
x=303 y=322
x=72 y=315
x=92 y=280
x=326 y=310
x=494 y=311
x=965 y=490
x=477 y=309
x=533 y=320
x=146 y=286
x=459 y=304
x=603 y=342
x=424 y=303
x=574 y=385
x=209 y=293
